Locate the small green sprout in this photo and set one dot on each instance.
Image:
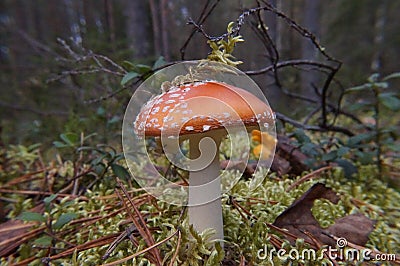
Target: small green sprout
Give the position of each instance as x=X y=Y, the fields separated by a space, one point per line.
x=222 y=50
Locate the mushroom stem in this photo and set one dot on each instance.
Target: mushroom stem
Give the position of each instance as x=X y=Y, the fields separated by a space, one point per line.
x=205 y=184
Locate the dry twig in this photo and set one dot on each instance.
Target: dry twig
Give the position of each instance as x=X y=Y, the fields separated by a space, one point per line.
x=309 y=176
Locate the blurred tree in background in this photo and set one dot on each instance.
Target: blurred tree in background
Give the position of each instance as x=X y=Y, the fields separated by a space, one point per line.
x=46 y=91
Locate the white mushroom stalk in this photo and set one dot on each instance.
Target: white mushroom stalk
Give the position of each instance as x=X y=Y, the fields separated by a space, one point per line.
x=204 y=206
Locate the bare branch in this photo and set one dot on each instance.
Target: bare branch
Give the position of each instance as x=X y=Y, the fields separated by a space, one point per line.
x=292 y=63
x=35 y=44
x=298 y=124
x=203 y=16
x=32 y=110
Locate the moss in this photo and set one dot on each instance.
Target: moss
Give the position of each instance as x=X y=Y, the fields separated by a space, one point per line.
x=244 y=236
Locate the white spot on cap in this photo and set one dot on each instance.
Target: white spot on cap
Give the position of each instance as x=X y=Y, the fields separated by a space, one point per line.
x=155 y=110
x=172 y=90
x=226 y=114
x=175 y=95
x=159 y=100
x=151 y=102
x=153 y=120
x=198 y=84
x=186 y=112
x=189 y=128
x=206 y=127
x=166 y=108
x=184 y=119
x=186 y=89
x=170 y=101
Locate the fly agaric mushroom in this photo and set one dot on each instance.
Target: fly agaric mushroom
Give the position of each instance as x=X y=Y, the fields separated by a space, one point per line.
x=202 y=112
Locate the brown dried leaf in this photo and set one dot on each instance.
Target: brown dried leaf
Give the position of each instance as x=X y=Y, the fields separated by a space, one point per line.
x=355 y=228
x=299 y=221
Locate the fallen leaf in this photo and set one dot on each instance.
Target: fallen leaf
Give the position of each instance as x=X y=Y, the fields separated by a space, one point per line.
x=355 y=228
x=300 y=222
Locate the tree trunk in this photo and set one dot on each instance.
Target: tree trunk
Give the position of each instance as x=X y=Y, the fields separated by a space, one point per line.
x=272 y=91
x=271 y=21
x=312 y=23
x=138 y=28
x=156 y=26
x=164 y=29
x=379 y=28
x=110 y=24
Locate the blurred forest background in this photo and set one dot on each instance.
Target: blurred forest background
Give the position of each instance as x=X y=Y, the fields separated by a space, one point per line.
x=51 y=82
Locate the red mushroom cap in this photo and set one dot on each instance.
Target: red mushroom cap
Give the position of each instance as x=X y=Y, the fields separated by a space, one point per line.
x=200 y=107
